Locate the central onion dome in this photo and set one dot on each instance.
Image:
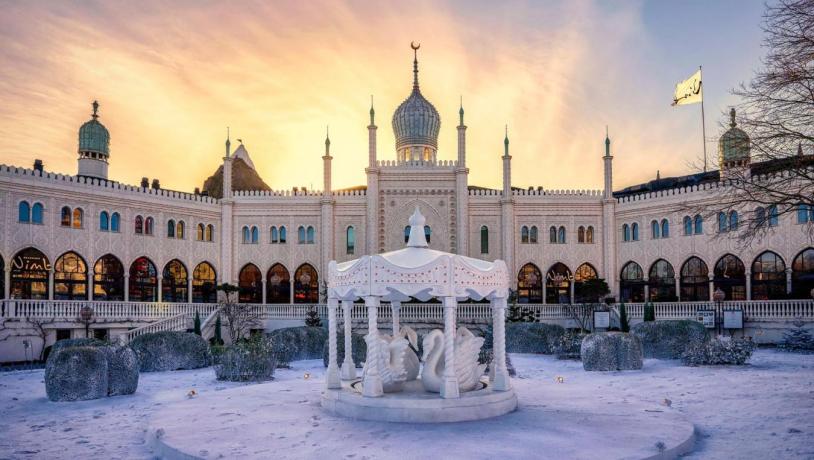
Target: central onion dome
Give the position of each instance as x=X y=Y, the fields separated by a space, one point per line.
x=734 y=145
x=416 y=123
x=93 y=136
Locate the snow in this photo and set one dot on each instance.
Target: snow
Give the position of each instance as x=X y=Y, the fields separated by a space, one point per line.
x=763 y=410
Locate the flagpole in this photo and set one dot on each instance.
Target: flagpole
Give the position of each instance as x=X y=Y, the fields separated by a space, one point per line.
x=703 y=122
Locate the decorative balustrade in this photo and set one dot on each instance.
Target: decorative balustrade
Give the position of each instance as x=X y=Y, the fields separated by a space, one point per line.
x=179 y=322
x=69 y=309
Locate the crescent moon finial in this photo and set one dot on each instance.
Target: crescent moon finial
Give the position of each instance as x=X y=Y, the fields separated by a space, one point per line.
x=414 y=46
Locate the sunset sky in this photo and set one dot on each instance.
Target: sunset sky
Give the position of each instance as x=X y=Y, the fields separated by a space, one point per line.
x=171 y=75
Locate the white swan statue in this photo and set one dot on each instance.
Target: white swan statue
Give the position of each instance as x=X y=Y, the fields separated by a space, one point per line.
x=467 y=369
x=390 y=356
x=411 y=361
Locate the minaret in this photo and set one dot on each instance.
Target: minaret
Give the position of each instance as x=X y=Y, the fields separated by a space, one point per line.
x=326 y=237
x=462 y=191
x=609 y=233
x=372 y=171
x=608 y=160
x=326 y=166
x=227 y=169
x=226 y=220
x=507 y=208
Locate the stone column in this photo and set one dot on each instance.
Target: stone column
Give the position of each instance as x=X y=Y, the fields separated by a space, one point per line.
x=544 y=292
x=348 y=371
x=90 y=285
x=126 y=287
x=372 y=384
x=189 y=289
x=678 y=287
x=7 y=284
x=332 y=377
x=160 y=288
x=748 y=285
x=646 y=290
x=51 y=283
x=712 y=288
x=788 y=280
x=396 y=307
x=500 y=380
x=264 y=281
x=449 y=387
x=571 y=290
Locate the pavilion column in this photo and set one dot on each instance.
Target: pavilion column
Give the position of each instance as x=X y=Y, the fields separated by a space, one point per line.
x=396 y=307
x=449 y=387
x=372 y=383
x=332 y=379
x=748 y=285
x=500 y=376
x=51 y=283
x=348 y=371
x=126 y=288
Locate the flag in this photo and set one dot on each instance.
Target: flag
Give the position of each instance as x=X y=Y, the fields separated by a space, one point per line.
x=689 y=91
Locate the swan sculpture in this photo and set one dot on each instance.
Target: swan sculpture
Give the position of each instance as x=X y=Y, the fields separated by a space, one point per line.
x=411 y=361
x=467 y=369
x=389 y=354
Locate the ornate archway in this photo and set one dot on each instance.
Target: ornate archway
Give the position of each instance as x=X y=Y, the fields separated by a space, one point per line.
x=529 y=284
x=306 y=284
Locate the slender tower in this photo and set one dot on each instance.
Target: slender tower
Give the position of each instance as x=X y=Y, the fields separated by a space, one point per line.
x=608 y=242
x=507 y=207
x=327 y=208
x=226 y=220
x=372 y=171
x=462 y=189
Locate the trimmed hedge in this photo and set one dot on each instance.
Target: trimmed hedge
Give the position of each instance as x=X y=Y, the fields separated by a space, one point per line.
x=77 y=374
x=669 y=339
x=296 y=343
x=170 y=351
x=358 y=345
x=122 y=363
x=614 y=351
x=736 y=352
x=250 y=360
x=538 y=338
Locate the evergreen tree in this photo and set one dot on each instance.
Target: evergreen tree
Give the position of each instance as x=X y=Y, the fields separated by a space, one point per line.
x=218 y=334
x=797 y=339
x=649 y=312
x=312 y=318
x=197 y=323
x=624 y=324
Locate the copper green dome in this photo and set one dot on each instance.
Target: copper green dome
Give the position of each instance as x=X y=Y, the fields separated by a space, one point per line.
x=416 y=121
x=734 y=146
x=93 y=136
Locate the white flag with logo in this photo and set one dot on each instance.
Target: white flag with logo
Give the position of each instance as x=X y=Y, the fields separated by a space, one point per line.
x=689 y=91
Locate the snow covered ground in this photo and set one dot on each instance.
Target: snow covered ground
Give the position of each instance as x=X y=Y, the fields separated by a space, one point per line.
x=761 y=411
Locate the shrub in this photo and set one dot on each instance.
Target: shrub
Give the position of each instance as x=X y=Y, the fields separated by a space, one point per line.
x=649 y=312
x=358 y=345
x=611 y=352
x=668 y=339
x=717 y=351
x=797 y=340
x=248 y=360
x=76 y=374
x=196 y=328
x=533 y=337
x=312 y=318
x=569 y=345
x=624 y=322
x=169 y=351
x=295 y=343
x=487 y=352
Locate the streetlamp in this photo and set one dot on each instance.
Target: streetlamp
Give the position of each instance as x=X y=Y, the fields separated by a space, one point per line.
x=718 y=296
x=86 y=317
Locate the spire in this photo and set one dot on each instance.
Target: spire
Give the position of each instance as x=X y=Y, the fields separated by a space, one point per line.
x=228 y=142
x=372 y=112
x=95 y=110
x=607 y=142
x=327 y=142
x=461 y=111
x=732 y=123
x=415 y=64
x=506 y=141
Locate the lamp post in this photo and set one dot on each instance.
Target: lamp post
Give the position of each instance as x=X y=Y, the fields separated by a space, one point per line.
x=718 y=296
x=86 y=317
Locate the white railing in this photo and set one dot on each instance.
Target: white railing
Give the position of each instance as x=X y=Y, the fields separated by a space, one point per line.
x=753 y=310
x=114 y=310
x=179 y=322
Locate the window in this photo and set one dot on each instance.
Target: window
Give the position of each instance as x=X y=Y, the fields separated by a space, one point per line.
x=23 y=212
x=301 y=235
x=484 y=240
x=552 y=234
x=558 y=284
x=533 y=234
x=143 y=284
x=255 y=235
x=149 y=224
x=805 y=213
x=78 y=217
x=104 y=221
x=29 y=275
x=210 y=233
x=427 y=233
x=36 y=213
x=179 y=230
x=723 y=222
x=70 y=277
x=247 y=236
x=687 y=225
x=561 y=235
x=773 y=220
x=524 y=234
x=661 y=282
x=694 y=280
x=698 y=224
x=204 y=282
x=802 y=274
x=65 y=216
x=634 y=230
x=199 y=232
x=529 y=284
x=170 y=228
x=654 y=229
x=581 y=234
x=250 y=284
x=139 y=223
x=274 y=238
x=306 y=284
x=733 y=220
x=589 y=235
x=631 y=283
x=350 y=240
x=309 y=235
x=768 y=277
x=730 y=277
x=108 y=279
x=665 y=228
x=278 y=284
x=406 y=234
x=760 y=216
x=282 y=234
x=174 y=285
x=584 y=273
x=625 y=232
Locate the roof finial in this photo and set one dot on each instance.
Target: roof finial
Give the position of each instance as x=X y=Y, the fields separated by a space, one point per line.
x=658 y=174
x=415 y=64
x=327 y=136
x=461 y=111
x=372 y=112
x=95 y=109
x=732 y=117
x=607 y=142
x=506 y=139
x=228 y=142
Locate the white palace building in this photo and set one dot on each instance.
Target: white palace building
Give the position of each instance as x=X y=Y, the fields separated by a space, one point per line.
x=145 y=258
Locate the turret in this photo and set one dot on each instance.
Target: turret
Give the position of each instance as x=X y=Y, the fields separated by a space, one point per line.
x=507 y=167
x=94 y=147
x=227 y=169
x=608 y=161
x=461 y=137
x=371 y=137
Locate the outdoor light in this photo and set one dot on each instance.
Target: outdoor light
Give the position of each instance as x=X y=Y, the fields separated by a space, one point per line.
x=307 y=376
x=86 y=316
x=718 y=296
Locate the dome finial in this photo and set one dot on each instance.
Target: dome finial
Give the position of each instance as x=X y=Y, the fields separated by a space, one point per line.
x=461 y=111
x=228 y=142
x=732 y=123
x=95 y=109
x=372 y=112
x=415 y=64
x=327 y=136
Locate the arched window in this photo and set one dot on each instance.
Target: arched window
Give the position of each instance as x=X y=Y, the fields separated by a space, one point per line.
x=687 y=225
x=250 y=284
x=524 y=234
x=114 y=222
x=23 y=212
x=36 y=213
x=204 y=283
x=760 y=216
x=634 y=230
x=139 y=225
x=246 y=234
x=174 y=283
x=428 y=233
x=561 y=235
x=306 y=284
x=29 y=275
x=310 y=235
x=255 y=235
x=301 y=235
x=78 y=218
x=730 y=277
x=802 y=274
x=484 y=240
x=70 y=277
x=803 y=214
x=584 y=273
x=558 y=284
x=625 y=232
x=773 y=220
x=170 y=228
x=406 y=234
x=654 y=229
x=733 y=220
x=694 y=280
x=723 y=222
x=533 y=234
x=149 y=225
x=108 y=279
x=581 y=234
x=278 y=284
x=665 y=228
x=662 y=282
x=3 y=278
x=529 y=284
x=350 y=240
x=143 y=284
x=179 y=230
x=104 y=221
x=768 y=277
x=65 y=216
x=589 y=234
x=210 y=233
x=275 y=235
x=552 y=234
x=282 y=234
x=199 y=232
x=631 y=283
x=698 y=224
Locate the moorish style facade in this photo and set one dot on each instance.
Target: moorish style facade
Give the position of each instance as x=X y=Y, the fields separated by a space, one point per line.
x=89 y=237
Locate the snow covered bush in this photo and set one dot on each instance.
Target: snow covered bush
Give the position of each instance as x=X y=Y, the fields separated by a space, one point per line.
x=248 y=360
x=170 y=351
x=717 y=351
x=533 y=337
x=358 y=345
x=487 y=352
x=122 y=363
x=668 y=339
x=76 y=374
x=797 y=340
x=569 y=345
x=295 y=343
x=611 y=351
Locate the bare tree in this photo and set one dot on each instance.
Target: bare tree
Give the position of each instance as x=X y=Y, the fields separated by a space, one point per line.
x=240 y=317
x=777 y=112
x=34 y=327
